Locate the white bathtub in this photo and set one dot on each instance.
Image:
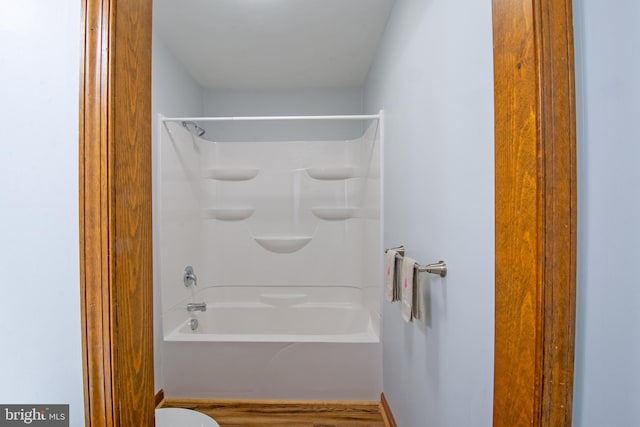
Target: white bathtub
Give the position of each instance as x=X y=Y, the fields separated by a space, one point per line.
x=308 y=343
x=278 y=314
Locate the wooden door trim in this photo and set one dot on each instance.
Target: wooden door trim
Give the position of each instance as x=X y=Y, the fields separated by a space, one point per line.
x=115 y=213
x=535 y=212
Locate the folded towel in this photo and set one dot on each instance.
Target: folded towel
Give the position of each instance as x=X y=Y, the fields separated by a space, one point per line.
x=407 y=286
x=391 y=284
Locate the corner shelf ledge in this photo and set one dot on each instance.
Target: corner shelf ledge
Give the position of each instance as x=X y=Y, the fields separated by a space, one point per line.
x=230 y=174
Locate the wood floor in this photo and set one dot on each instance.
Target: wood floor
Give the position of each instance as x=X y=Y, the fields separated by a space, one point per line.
x=236 y=413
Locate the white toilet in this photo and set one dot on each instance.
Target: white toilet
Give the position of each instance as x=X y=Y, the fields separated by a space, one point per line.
x=179 y=417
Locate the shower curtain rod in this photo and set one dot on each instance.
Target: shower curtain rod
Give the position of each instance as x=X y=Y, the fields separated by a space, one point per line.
x=271 y=118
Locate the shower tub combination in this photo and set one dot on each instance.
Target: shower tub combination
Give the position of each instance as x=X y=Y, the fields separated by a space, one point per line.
x=277 y=314
x=284 y=238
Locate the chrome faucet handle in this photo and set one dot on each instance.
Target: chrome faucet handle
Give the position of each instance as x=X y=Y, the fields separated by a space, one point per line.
x=189 y=278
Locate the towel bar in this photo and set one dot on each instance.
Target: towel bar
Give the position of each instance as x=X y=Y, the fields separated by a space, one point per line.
x=439 y=268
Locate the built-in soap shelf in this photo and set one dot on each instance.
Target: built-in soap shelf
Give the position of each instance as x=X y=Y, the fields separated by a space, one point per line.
x=230 y=174
x=332 y=173
x=239 y=214
x=280 y=243
x=334 y=214
x=283 y=244
x=245 y=174
x=227 y=214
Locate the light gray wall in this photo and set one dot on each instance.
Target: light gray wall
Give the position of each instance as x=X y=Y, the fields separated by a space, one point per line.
x=174 y=93
x=283 y=102
x=41 y=356
x=607 y=375
x=433 y=77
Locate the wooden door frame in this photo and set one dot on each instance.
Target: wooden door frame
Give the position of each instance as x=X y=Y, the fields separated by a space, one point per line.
x=535 y=184
x=535 y=173
x=115 y=213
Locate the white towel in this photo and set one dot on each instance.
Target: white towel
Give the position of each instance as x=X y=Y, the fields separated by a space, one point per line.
x=406 y=288
x=390 y=288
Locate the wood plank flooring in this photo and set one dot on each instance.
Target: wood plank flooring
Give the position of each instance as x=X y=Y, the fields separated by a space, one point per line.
x=247 y=413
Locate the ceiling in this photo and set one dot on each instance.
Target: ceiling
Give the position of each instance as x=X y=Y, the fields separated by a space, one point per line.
x=273 y=44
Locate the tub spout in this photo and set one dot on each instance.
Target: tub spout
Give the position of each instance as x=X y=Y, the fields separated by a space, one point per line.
x=197 y=306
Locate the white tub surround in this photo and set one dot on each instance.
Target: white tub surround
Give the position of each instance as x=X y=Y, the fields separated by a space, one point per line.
x=284 y=235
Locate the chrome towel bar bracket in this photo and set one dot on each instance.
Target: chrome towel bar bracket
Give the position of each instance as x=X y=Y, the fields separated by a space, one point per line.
x=439 y=268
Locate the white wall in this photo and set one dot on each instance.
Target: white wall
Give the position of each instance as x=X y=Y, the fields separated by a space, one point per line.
x=174 y=93
x=41 y=357
x=433 y=76
x=607 y=376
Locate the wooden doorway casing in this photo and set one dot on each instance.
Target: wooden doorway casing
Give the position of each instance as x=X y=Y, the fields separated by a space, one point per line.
x=535 y=175
x=535 y=184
